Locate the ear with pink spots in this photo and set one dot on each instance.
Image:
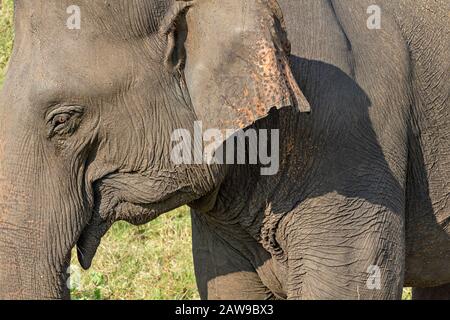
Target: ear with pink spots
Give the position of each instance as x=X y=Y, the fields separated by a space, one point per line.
x=234 y=58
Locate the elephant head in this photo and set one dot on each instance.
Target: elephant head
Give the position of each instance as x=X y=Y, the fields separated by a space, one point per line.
x=86 y=116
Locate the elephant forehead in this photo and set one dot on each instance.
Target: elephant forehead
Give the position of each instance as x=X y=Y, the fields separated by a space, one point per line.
x=102 y=56
x=96 y=15
x=81 y=70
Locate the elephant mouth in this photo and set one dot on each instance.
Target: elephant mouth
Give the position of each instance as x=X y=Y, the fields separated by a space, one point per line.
x=122 y=210
x=136 y=198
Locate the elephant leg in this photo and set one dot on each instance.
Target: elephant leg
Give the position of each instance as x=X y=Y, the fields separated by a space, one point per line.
x=340 y=248
x=434 y=293
x=223 y=269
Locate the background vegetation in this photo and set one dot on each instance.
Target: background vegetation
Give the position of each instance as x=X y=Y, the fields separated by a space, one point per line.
x=148 y=262
x=6 y=35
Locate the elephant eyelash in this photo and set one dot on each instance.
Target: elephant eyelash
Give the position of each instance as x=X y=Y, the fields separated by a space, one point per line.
x=64 y=120
x=66 y=128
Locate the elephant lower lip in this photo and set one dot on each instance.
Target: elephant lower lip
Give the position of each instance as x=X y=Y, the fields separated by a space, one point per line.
x=136 y=214
x=143 y=213
x=89 y=241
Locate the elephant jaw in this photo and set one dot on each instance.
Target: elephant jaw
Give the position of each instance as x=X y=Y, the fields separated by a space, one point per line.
x=136 y=214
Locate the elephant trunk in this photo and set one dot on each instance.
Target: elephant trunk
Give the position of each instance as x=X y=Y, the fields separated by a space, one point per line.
x=26 y=272
x=41 y=214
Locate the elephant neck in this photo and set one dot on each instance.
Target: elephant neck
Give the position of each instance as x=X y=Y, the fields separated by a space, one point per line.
x=256 y=202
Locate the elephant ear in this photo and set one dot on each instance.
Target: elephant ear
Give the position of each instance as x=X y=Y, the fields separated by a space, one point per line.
x=235 y=58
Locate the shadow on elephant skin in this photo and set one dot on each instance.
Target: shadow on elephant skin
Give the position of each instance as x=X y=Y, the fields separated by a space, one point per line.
x=331 y=156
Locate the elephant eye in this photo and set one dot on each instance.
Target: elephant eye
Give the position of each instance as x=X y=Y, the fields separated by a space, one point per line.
x=61 y=119
x=65 y=120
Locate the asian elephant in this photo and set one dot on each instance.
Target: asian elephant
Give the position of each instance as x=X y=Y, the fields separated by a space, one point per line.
x=359 y=206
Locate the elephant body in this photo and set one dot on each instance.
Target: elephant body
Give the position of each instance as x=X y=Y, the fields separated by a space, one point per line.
x=363 y=179
x=359 y=206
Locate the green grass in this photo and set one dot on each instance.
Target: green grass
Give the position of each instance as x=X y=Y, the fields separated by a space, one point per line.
x=6 y=36
x=148 y=262
x=407 y=294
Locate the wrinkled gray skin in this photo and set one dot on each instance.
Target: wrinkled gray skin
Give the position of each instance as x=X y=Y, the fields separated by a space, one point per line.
x=364 y=180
